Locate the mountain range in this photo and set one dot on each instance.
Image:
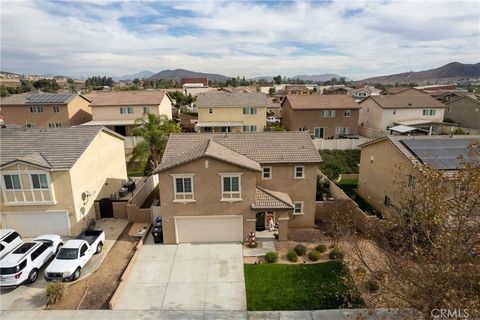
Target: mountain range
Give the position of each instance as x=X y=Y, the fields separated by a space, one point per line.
x=139 y=75
x=451 y=72
x=314 y=78
x=178 y=74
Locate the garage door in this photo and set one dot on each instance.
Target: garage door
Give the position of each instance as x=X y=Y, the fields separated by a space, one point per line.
x=38 y=223
x=209 y=229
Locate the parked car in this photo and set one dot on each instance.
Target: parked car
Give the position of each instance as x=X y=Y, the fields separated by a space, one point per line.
x=9 y=240
x=273 y=120
x=24 y=262
x=74 y=255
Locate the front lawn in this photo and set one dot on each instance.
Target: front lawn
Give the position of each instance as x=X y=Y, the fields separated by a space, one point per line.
x=325 y=285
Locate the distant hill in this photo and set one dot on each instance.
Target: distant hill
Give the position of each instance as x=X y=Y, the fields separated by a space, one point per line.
x=139 y=75
x=451 y=72
x=314 y=78
x=178 y=74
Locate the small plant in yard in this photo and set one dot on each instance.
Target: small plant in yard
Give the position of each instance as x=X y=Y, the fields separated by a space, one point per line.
x=337 y=254
x=54 y=292
x=314 y=255
x=360 y=271
x=372 y=285
x=271 y=257
x=292 y=255
x=300 y=249
x=321 y=248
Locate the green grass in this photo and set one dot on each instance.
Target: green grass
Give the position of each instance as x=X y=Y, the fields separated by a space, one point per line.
x=348 y=182
x=134 y=170
x=349 y=186
x=339 y=161
x=325 y=285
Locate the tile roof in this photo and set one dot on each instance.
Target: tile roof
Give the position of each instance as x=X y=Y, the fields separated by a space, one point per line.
x=328 y=101
x=405 y=100
x=126 y=98
x=52 y=148
x=39 y=98
x=268 y=199
x=228 y=99
x=211 y=149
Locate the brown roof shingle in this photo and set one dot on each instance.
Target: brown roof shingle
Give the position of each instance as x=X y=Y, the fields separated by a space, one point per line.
x=230 y=99
x=329 y=101
x=268 y=199
x=126 y=98
x=404 y=100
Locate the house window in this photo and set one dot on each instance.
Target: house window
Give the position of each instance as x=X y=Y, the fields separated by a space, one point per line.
x=31 y=125
x=327 y=113
x=183 y=188
x=210 y=110
x=347 y=113
x=449 y=109
x=342 y=130
x=39 y=181
x=249 y=111
x=266 y=173
x=126 y=110
x=12 y=182
x=36 y=109
x=298 y=207
x=249 y=128
x=55 y=125
x=56 y=109
x=231 y=187
x=146 y=109
x=428 y=112
x=318 y=133
x=299 y=172
x=386 y=202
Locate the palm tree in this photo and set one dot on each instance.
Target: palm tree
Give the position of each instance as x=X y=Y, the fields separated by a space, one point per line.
x=155 y=131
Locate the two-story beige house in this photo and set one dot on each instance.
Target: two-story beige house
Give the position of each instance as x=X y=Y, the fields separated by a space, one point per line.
x=51 y=177
x=222 y=187
x=45 y=110
x=409 y=107
x=232 y=112
x=465 y=111
x=118 y=110
x=323 y=116
x=385 y=160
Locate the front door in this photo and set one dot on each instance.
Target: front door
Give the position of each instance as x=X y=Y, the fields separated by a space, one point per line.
x=260 y=223
x=318 y=133
x=106 y=208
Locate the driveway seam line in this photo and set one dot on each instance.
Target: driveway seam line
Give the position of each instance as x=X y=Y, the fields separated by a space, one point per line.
x=169 y=276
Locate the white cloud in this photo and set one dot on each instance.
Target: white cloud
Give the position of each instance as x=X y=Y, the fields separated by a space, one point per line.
x=238 y=38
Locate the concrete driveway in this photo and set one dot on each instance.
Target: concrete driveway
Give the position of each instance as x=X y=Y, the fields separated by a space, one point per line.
x=201 y=277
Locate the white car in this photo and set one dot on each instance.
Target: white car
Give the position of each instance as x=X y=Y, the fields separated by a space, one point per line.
x=9 y=240
x=24 y=262
x=273 y=120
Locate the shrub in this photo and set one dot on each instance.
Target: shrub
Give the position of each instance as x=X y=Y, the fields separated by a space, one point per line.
x=300 y=249
x=314 y=255
x=54 y=292
x=336 y=253
x=292 y=255
x=321 y=248
x=271 y=257
x=361 y=271
x=372 y=285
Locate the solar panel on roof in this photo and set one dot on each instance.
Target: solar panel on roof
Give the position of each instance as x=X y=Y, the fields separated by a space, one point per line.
x=49 y=98
x=441 y=153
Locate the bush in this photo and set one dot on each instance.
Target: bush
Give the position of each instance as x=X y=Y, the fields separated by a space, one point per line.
x=300 y=249
x=336 y=254
x=292 y=255
x=321 y=248
x=372 y=285
x=314 y=255
x=271 y=257
x=54 y=292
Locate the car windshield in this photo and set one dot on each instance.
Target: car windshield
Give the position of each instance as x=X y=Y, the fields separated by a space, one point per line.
x=67 y=254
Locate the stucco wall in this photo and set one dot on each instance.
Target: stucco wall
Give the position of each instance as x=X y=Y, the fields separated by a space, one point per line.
x=223 y=114
x=100 y=113
x=464 y=111
x=79 y=111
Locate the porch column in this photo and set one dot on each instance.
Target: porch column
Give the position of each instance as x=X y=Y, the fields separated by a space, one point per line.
x=282 y=220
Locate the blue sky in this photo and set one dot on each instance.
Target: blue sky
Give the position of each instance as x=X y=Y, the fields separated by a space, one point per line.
x=357 y=39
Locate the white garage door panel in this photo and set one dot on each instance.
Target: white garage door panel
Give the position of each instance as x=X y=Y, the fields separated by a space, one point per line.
x=35 y=224
x=209 y=229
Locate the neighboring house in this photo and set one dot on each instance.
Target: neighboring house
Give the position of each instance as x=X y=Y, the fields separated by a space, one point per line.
x=274 y=108
x=300 y=89
x=45 y=110
x=409 y=107
x=222 y=187
x=465 y=111
x=194 y=82
x=51 y=177
x=232 y=112
x=362 y=93
x=118 y=110
x=382 y=159
x=323 y=116
x=336 y=90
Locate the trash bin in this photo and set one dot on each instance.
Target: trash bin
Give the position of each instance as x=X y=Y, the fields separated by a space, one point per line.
x=157 y=234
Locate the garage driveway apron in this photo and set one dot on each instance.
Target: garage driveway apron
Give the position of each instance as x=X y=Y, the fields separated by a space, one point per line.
x=186 y=277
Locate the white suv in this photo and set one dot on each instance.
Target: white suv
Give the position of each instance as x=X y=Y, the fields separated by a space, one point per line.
x=9 y=240
x=23 y=264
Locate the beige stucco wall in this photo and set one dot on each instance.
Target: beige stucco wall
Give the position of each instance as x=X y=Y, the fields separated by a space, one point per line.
x=100 y=113
x=165 y=107
x=464 y=111
x=79 y=111
x=223 y=114
x=293 y=119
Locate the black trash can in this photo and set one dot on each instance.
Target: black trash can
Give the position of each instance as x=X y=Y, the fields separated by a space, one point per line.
x=157 y=234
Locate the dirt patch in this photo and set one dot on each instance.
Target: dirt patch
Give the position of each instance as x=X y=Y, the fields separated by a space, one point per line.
x=95 y=291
